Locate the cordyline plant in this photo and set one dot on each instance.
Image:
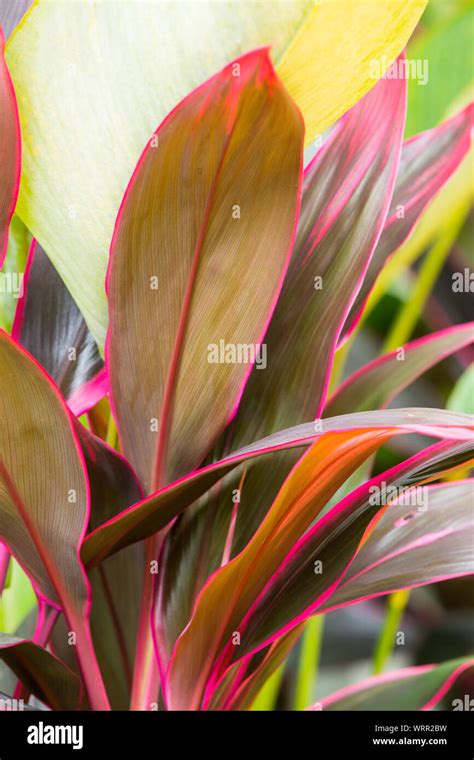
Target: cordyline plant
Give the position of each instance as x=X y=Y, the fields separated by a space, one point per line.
x=178 y=573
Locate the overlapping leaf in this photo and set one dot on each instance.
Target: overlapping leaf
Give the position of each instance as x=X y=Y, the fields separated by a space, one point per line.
x=116 y=584
x=428 y=160
x=50 y=326
x=425 y=535
x=11 y=13
x=199 y=251
x=301 y=585
x=229 y=594
x=42 y=673
x=82 y=174
x=346 y=192
x=10 y=151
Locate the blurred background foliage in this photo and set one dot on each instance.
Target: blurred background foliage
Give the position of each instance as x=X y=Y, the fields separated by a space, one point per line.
x=413 y=297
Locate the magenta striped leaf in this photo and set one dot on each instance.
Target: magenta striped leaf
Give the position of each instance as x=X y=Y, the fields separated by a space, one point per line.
x=416 y=688
x=297 y=590
x=427 y=162
x=42 y=477
x=425 y=535
x=50 y=326
x=377 y=383
x=10 y=151
x=43 y=674
x=156 y=511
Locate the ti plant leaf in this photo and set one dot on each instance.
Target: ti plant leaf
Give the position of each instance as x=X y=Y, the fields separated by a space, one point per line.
x=10 y=150
x=425 y=535
x=234 y=588
x=241 y=209
x=156 y=511
x=417 y=688
x=377 y=383
x=43 y=483
x=428 y=160
x=41 y=672
x=50 y=326
x=11 y=13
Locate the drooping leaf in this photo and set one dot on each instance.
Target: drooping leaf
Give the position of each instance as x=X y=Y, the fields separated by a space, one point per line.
x=448 y=75
x=50 y=326
x=346 y=193
x=425 y=535
x=156 y=511
x=44 y=499
x=301 y=585
x=231 y=591
x=324 y=51
x=10 y=150
x=377 y=383
x=188 y=276
x=49 y=679
x=416 y=688
x=428 y=160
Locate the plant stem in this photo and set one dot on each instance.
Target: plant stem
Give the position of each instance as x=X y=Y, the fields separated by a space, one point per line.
x=89 y=666
x=396 y=605
x=310 y=652
x=430 y=269
x=146 y=674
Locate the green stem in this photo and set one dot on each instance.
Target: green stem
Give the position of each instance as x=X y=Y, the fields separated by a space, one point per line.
x=396 y=606
x=309 y=662
x=410 y=312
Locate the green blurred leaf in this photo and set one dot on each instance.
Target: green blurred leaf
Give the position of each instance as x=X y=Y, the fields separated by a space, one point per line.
x=462 y=396
x=448 y=74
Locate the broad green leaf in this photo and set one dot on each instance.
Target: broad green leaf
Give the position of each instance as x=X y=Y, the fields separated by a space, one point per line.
x=49 y=679
x=425 y=535
x=200 y=247
x=417 y=688
x=377 y=383
x=86 y=118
